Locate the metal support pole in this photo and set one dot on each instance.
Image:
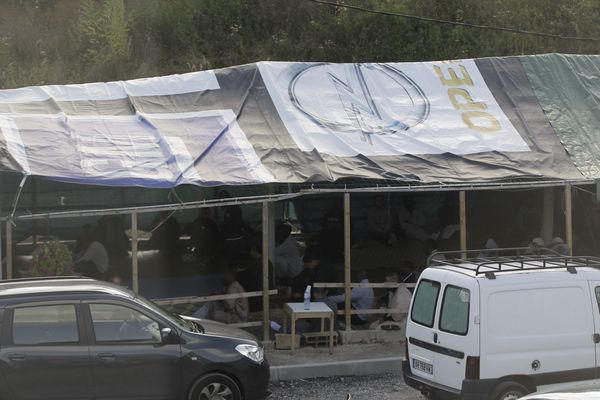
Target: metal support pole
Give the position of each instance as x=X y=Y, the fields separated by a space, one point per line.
x=265 y=269
x=569 y=218
x=9 y=255
x=347 y=262
x=135 y=284
x=271 y=238
x=463 y=223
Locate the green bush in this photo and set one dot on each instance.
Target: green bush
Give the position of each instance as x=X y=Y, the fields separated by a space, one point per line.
x=51 y=259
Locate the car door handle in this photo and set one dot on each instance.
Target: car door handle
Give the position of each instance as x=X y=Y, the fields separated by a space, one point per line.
x=106 y=356
x=16 y=357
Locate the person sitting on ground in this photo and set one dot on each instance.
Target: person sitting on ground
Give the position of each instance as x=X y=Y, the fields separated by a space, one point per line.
x=92 y=261
x=559 y=246
x=396 y=299
x=536 y=247
x=380 y=225
x=491 y=248
x=361 y=299
x=309 y=274
x=229 y=311
x=288 y=262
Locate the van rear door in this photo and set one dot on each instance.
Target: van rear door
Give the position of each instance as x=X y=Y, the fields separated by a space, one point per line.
x=595 y=289
x=457 y=332
x=420 y=330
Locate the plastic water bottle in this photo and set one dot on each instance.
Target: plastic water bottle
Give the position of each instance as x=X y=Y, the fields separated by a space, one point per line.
x=307 y=298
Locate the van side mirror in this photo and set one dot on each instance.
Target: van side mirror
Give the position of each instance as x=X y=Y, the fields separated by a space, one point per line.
x=166 y=334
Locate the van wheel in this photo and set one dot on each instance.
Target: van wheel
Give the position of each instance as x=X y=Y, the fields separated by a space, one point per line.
x=215 y=387
x=508 y=391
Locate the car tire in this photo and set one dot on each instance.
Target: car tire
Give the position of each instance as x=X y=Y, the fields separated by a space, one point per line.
x=508 y=391
x=215 y=386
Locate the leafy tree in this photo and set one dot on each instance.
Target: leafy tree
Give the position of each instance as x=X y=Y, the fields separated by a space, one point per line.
x=64 y=41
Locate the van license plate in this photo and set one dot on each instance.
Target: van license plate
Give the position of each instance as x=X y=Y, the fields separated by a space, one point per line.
x=423 y=366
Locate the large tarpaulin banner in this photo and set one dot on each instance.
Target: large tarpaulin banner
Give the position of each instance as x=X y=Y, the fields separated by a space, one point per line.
x=459 y=121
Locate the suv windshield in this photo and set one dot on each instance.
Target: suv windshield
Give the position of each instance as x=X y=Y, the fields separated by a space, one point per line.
x=174 y=318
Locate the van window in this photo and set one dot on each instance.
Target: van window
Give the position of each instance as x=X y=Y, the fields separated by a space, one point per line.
x=597 y=290
x=44 y=325
x=423 y=310
x=454 y=316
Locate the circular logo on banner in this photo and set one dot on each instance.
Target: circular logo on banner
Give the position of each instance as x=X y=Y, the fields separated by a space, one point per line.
x=359 y=99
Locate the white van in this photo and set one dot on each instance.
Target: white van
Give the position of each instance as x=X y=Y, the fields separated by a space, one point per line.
x=499 y=328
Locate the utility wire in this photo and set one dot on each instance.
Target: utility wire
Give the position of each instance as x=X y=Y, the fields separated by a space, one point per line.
x=446 y=22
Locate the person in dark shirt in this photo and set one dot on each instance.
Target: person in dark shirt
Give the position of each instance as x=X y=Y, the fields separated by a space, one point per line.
x=331 y=238
x=205 y=236
x=309 y=275
x=165 y=236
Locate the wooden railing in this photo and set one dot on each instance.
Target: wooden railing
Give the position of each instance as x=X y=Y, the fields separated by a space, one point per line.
x=173 y=301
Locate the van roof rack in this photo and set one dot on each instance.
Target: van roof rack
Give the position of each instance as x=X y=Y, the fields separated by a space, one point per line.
x=490 y=262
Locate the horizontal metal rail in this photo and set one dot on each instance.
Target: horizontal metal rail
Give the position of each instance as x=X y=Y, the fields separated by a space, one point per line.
x=440 y=187
x=156 y=208
x=203 y=299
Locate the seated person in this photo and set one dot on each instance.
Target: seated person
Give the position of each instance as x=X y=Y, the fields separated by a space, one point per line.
x=536 y=247
x=397 y=299
x=559 y=246
x=228 y=311
x=380 y=225
x=92 y=261
x=236 y=233
x=205 y=236
x=288 y=262
x=331 y=237
x=491 y=248
x=309 y=274
x=165 y=235
x=110 y=231
x=361 y=299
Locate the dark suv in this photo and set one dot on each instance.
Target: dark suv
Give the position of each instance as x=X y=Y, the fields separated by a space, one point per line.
x=78 y=338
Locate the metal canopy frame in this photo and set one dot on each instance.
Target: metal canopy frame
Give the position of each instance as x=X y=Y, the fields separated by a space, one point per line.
x=267 y=200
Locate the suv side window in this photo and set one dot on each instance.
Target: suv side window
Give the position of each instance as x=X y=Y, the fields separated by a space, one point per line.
x=43 y=325
x=454 y=316
x=115 y=323
x=426 y=296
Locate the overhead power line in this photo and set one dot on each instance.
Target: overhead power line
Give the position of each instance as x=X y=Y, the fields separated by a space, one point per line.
x=454 y=23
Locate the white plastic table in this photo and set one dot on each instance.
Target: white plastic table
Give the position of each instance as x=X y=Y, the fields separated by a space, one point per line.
x=296 y=311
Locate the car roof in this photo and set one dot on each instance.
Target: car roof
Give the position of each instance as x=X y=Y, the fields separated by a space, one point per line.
x=59 y=285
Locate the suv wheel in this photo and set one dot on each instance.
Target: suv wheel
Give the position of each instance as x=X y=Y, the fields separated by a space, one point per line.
x=508 y=391
x=215 y=387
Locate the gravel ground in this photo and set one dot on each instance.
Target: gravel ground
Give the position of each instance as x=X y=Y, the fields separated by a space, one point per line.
x=374 y=387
